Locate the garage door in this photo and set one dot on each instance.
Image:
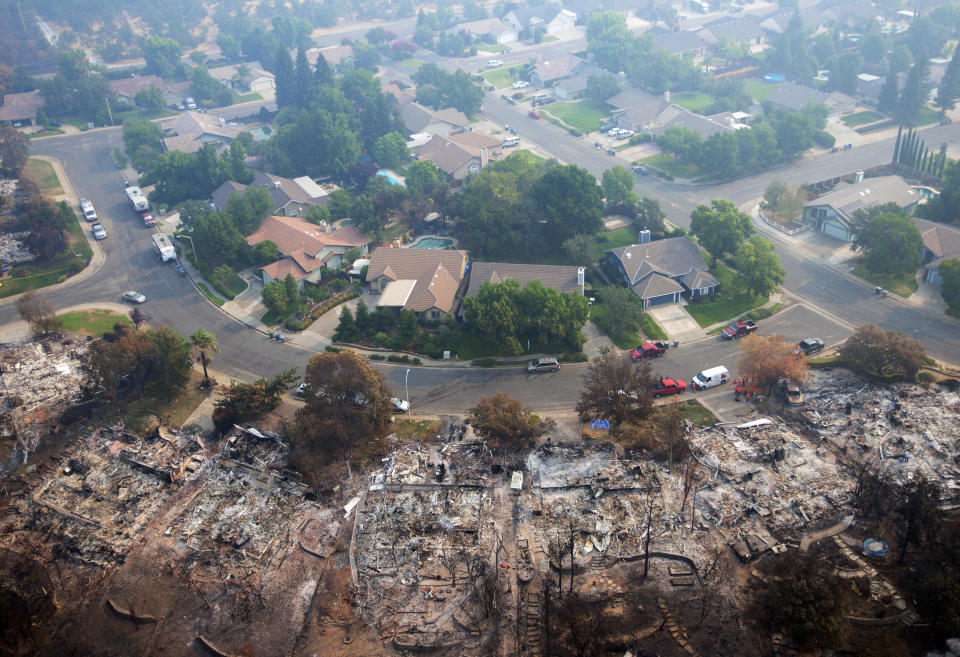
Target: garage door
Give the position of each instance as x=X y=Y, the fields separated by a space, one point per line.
x=834 y=230
x=661 y=300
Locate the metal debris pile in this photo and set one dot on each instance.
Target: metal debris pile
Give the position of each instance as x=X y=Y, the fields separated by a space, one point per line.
x=13 y=250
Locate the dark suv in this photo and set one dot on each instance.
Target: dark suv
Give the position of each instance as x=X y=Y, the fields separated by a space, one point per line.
x=810 y=345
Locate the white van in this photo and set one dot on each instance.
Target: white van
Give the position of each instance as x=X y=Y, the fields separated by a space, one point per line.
x=710 y=378
x=510 y=142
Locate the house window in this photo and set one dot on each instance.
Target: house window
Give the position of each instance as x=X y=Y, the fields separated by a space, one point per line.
x=434 y=314
x=474 y=168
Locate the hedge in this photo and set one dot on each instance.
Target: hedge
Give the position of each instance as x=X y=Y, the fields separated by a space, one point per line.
x=294 y=324
x=824 y=139
x=578 y=357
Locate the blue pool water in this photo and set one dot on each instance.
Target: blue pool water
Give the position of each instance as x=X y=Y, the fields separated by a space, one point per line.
x=389 y=176
x=432 y=243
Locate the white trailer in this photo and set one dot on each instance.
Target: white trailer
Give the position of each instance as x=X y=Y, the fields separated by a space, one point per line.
x=165 y=249
x=137 y=199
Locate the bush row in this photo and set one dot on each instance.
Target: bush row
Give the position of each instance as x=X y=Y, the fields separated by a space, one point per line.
x=294 y=324
x=394 y=358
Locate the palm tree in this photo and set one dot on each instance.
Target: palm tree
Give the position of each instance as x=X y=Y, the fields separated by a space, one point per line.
x=204 y=344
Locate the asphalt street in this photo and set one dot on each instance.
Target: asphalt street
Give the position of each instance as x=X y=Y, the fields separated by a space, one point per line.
x=247 y=354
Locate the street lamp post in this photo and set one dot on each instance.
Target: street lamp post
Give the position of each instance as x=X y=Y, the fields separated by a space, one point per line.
x=406 y=390
x=109 y=112
x=193 y=246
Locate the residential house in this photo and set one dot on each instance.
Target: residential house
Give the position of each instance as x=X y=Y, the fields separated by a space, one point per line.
x=128 y=88
x=489 y=29
x=290 y=197
x=575 y=86
x=680 y=117
x=175 y=93
x=552 y=65
x=459 y=155
x=853 y=13
x=813 y=20
x=679 y=44
x=419 y=118
x=659 y=272
x=551 y=18
x=869 y=86
x=794 y=97
x=244 y=78
x=191 y=130
x=637 y=110
x=335 y=55
x=21 y=109
x=940 y=242
x=426 y=281
x=305 y=248
x=745 y=30
x=402 y=97
x=832 y=213
x=583 y=8
x=560 y=278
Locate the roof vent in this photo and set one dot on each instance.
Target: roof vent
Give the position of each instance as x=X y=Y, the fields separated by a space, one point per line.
x=628 y=255
x=276 y=183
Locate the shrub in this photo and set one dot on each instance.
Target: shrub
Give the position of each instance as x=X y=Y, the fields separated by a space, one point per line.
x=642 y=138
x=484 y=362
x=393 y=358
x=294 y=324
x=379 y=339
x=926 y=377
x=518 y=96
x=824 y=139
x=578 y=357
x=574 y=133
x=332 y=349
x=929 y=362
x=416 y=361
x=376 y=357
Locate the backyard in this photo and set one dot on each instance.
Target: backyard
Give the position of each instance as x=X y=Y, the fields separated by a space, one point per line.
x=758 y=89
x=582 y=115
x=731 y=301
x=695 y=101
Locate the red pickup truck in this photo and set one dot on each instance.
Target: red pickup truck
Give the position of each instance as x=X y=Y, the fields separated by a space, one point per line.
x=669 y=387
x=739 y=329
x=649 y=350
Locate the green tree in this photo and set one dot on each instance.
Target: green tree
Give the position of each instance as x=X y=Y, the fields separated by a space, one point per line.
x=150 y=99
x=578 y=250
x=609 y=40
x=616 y=389
x=620 y=312
x=245 y=402
x=844 y=72
x=408 y=330
x=390 y=149
x=162 y=56
x=493 y=313
x=13 y=150
x=249 y=208
x=346 y=328
x=285 y=80
x=618 y=188
x=782 y=202
x=601 y=87
x=720 y=228
x=423 y=179
x=882 y=353
x=759 y=265
x=650 y=216
x=570 y=200
x=949 y=271
x=292 y=290
x=204 y=345
x=914 y=95
x=274 y=297
x=170 y=363
x=949 y=88
x=889 y=95
x=900 y=59
x=890 y=243
x=229 y=47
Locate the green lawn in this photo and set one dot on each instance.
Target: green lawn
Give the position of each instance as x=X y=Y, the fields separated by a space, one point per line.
x=730 y=302
x=668 y=164
x=491 y=47
x=758 y=89
x=902 y=286
x=862 y=118
x=93 y=322
x=412 y=62
x=12 y=286
x=43 y=175
x=210 y=295
x=651 y=329
x=581 y=115
x=246 y=98
x=49 y=132
x=611 y=240
x=499 y=77
x=235 y=284
x=927 y=116
x=695 y=101
x=698 y=414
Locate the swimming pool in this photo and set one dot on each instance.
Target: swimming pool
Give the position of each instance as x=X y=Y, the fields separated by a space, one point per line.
x=432 y=243
x=391 y=177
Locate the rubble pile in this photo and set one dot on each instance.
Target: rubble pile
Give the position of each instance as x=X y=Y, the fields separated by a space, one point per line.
x=13 y=250
x=36 y=373
x=909 y=429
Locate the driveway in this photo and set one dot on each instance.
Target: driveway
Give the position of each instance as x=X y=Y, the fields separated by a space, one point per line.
x=674 y=319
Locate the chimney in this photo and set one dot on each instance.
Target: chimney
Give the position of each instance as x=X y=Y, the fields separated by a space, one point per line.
x=666 y=95
x=628 y=255
x=581 y=278
x=858 y=176
x=484 y=157
x=645 y=236
x=276 y=183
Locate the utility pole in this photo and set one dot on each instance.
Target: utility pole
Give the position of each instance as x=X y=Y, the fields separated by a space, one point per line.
x=109 y=113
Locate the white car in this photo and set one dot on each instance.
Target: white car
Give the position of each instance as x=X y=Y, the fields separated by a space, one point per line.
x=133 y=297
x=613 y=132
x=494 y=63
x=98 y=232
x=399 y=405
x=624 y=133
x=521 y=84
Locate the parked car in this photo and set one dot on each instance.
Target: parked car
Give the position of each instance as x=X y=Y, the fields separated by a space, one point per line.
x=739 y=329
x=810 y=346
x=612 y=132
x=666 y=386
x=191 y=104
x=714 y=376
x=399 y=405
x=624 y=133
x=88 y=211
x=133 y=297
x=148 y=219
x=791 y=393
x=98 y=232
x=521 y=84
x=543 y=365
x=494 y=63
x=641 y=169
x=534 y=114
x=649 y=350
x=301 y=389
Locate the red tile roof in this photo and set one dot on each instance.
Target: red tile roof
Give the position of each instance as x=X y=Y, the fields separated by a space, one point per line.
x=292 y=234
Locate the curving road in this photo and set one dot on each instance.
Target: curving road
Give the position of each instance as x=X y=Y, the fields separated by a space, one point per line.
x=248 y=354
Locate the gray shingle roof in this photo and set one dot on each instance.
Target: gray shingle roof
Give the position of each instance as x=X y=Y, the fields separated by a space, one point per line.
x=562 y=279
x=674 y=256
x=678 y=43
x=847 y=199
x=656 y=285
